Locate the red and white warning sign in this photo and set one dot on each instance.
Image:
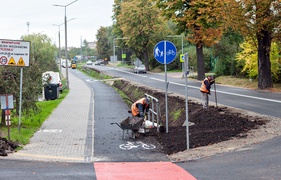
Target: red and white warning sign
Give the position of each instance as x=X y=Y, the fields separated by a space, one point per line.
x=14 y=52
x=3 y=60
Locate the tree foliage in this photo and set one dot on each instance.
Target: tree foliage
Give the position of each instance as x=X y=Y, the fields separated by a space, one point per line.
x=104 y=45
x=201 y=19
x=42 y=58
x=249 y=55
x=140 y=22
x=259 y=20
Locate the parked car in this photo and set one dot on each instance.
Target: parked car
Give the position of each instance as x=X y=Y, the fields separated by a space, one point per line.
x=140 y=69
x=89 y=62
x=99 y=62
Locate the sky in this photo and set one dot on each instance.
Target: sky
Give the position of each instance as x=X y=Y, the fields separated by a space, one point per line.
x=87 y=17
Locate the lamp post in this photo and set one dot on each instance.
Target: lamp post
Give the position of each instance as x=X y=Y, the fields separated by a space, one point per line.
x=59 y=45
x=28 y=23
x=59 y=41
x=114 y=51
x=180 y=36
x=65 y=23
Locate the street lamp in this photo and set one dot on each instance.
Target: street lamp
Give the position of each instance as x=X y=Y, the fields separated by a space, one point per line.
x=65 y=23
x=28 y=23
x=180 y=36
x=59 y=45
x=114 y=51
x=59 y=41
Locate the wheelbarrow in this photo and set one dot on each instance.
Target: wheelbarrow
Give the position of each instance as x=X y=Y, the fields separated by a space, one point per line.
x=130 y=123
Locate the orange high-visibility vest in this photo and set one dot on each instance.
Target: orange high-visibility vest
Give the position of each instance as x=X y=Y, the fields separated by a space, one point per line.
x=203 y=87
x=134 y=108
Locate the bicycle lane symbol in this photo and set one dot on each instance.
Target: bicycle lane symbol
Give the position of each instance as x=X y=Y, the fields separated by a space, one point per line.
x=131 y=145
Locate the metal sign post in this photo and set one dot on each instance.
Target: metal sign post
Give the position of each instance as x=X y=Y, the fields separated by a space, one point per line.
x=165 y=52
x=186 y=99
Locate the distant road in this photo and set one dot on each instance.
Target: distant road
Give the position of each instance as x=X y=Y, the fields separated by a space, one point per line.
x=266 y=103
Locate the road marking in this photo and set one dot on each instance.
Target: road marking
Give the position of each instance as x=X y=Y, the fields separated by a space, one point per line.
x=222 y=92
x=51 y=130
x=131 y=145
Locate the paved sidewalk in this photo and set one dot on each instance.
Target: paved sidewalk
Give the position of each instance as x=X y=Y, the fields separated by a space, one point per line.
x=62 y=137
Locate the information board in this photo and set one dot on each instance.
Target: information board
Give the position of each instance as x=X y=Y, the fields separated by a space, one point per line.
x=14 y=52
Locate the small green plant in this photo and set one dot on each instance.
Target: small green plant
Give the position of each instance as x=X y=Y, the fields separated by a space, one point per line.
x=176 y=114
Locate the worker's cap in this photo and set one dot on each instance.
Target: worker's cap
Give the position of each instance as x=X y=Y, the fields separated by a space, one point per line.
x=210 y=76
x=147 y=100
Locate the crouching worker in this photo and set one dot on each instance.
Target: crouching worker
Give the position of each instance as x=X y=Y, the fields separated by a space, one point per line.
x=139 y=107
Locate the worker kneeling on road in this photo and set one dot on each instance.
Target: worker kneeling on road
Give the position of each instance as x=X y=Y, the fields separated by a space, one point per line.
x=139 y=107
x=206 y=90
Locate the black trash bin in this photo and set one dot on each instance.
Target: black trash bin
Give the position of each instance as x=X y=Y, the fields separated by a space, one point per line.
x=51 y=91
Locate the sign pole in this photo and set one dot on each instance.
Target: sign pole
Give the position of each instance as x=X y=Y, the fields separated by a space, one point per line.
x=165 y=52
x=186 y=99
x=21 y=74
x=166 y=89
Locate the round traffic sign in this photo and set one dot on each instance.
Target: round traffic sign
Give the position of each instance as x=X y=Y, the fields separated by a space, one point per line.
x=3 y=60
x=165 y=52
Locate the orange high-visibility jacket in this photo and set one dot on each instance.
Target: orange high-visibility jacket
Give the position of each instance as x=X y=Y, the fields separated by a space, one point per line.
x=205 y=86
x=134 y=108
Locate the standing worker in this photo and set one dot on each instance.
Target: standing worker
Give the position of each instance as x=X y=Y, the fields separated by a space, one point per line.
x=139 y=107
x=206 y=90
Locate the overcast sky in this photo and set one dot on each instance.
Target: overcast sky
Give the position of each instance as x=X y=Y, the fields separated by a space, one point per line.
x=89 y=16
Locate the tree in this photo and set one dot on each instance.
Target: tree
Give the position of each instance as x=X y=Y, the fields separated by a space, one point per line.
x=103 y=48
x=139 y=21
x=200 y=19
x=259 y=20
x=249 y=54
x=42 y=58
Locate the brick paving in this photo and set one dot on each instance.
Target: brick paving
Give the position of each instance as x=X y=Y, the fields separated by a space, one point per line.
x=62 y=137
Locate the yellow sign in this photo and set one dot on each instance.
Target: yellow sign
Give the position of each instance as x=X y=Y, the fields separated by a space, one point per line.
x=12 y=61
x=21 y=62
x=182 y=58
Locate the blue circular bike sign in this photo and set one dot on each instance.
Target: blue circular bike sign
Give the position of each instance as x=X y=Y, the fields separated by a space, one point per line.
x=165 y=52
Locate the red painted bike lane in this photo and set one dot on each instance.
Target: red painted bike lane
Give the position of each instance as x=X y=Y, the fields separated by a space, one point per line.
x=140 y=171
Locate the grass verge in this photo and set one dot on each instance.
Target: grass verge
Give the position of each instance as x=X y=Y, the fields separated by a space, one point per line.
x=31 y=122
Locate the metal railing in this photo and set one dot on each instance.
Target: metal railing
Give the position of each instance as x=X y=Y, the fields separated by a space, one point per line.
x=153 y=110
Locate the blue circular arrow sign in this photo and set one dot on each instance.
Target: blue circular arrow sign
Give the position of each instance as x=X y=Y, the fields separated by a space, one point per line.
x=165 y=52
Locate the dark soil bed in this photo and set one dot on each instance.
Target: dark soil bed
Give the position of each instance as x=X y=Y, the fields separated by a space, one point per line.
x=210 y=127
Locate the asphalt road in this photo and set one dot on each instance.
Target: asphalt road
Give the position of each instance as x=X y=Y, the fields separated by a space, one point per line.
x=262 y=161
x=257 y=101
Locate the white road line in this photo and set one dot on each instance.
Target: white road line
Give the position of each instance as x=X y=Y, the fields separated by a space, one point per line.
x=223 y=92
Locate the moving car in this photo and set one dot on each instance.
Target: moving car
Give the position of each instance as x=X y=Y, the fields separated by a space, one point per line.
x=140 y=69
x=63 y=63
x=89 y=62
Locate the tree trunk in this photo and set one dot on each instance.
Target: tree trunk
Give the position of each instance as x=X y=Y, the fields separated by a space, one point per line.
x=264 y=71
x=146 y=63
x=200 y=62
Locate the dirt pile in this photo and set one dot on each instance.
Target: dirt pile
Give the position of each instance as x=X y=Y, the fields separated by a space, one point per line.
x=7 y=146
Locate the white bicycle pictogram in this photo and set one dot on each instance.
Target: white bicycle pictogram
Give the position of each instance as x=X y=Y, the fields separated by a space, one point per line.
x=171 y=52
x=131 y=145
